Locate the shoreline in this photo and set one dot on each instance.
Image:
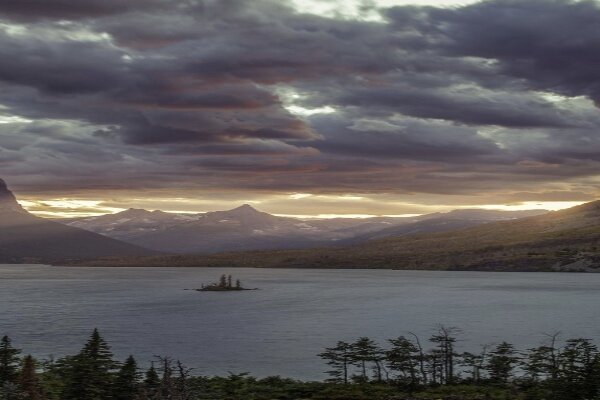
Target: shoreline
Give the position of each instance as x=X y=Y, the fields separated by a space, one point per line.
x=66 y=265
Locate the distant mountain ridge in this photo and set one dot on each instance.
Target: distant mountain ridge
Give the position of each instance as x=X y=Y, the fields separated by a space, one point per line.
x=245 y=228
x=461 y=239
x=566 y=240
x=27 y=238
x=443 y=222
x=242 y=228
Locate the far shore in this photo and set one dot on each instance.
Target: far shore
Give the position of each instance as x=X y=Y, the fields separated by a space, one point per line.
x=139 y=265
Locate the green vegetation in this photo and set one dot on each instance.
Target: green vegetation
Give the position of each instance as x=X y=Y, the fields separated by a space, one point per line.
x=567 y=240
x=405 y=369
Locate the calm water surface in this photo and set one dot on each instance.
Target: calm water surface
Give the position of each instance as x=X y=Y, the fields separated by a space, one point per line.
x=280 y=328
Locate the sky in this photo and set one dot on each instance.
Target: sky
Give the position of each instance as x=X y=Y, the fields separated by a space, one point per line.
x=299 y=107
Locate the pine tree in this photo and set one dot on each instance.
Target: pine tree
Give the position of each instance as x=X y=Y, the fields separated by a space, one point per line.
x=338 y=358
x=9 y=361
x=53 y=377
x=475 y=362
x=444 y=353
x=579 y=376
x=152 y=383
x=29 y=384
x=403 y=358
x=539 y=364
x=167 y=387
x=501 y=362
x=365 y=351
x=542 y=365
x=10 y=391
x=127 y=381
x=182 y=381
x=90 y=374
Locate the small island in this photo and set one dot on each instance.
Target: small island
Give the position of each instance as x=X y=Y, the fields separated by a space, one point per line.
x=225 y=284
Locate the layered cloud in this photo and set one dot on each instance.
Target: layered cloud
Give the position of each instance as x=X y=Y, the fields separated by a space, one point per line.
x=492 y=101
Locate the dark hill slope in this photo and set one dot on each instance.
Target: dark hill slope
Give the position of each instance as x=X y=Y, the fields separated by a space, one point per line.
x=27 y=238
x=561 y=240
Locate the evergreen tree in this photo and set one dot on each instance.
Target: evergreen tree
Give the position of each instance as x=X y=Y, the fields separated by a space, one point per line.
x=53 y=378
x=152 y=383
x=443 y=355
x=365 y=351
x=579 y=376
x=223 y=281
x=501 y=362
x=9 y=391
x=167 y=388
x=403 y=358
x=542 y=366
x=421 y=358
x=475 y=362
x=435 y=366
x=127 y=381
x=29 y=384
x=184 y=392
x=539 y=364
x=9 y=361
x=339 y=358
x=90 y=374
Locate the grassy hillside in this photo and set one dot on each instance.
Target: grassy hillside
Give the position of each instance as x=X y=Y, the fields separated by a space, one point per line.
x=564 y=240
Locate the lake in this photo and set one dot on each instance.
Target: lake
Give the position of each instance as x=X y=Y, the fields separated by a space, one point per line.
x=279 y=329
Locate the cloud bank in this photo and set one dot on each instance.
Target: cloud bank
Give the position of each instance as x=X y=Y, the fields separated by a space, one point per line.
x=486 y=103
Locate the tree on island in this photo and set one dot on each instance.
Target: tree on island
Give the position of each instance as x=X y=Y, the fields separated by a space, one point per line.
x=223 y=281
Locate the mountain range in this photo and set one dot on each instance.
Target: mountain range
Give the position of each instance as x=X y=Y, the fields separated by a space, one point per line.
x=245 y=228
x=567 y=240
x=25 y=238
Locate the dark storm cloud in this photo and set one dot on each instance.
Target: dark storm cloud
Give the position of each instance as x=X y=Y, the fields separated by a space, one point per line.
x=547 y=43
x=175 y=95
x=139 y=106
x=169 y=127
x=198 y=93
x=409 y=139
x=60 y=67
x=28 y=10
x=474 y=107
